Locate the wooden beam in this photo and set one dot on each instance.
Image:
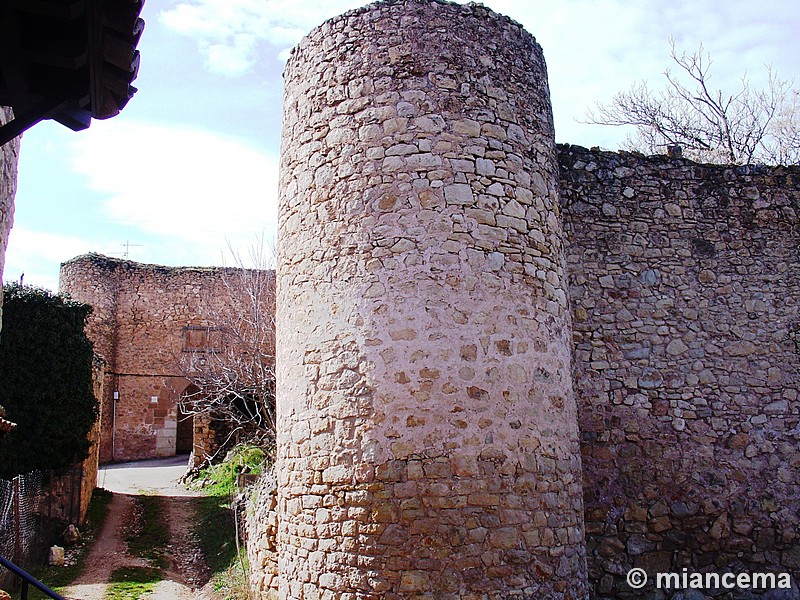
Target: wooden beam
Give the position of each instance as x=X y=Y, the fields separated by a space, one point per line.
x=68 y=49
x=75 y=118
x=28 y=119
x=70 y=62
x=44 y=8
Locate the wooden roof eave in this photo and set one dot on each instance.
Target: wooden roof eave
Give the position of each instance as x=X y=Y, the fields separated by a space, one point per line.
x=85 y=73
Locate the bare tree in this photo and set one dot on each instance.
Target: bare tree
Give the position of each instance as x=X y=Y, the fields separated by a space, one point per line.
x=233 y=365
x=708 y=124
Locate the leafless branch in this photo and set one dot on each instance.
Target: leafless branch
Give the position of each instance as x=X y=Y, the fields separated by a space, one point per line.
x=709 y=124
x=233 y=372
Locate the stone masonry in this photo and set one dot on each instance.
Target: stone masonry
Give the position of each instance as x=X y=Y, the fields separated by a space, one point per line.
x=146 y=320
x=428 y=441
x=68 y=495
x=9 y=155
x=685 y=290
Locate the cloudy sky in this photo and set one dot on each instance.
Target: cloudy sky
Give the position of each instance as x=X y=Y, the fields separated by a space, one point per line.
x=190 y=165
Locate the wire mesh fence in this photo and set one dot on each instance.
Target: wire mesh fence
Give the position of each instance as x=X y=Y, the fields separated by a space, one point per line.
x=33 y=507
x=19 y=523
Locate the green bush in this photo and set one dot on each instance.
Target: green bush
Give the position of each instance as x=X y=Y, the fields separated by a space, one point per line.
x=45 y=381
x=220 y=479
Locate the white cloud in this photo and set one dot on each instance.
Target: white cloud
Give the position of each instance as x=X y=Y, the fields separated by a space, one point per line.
x=232 y=60
x=189 y=188
x=593 y=48
x=38 y=254
x=228 y=33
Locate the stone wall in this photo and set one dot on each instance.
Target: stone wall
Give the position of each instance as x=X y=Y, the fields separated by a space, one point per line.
x=147 y=320
x=261 y=537
x=69 y=491
x=91 y=464
x=684 y=287
x=428 y=442
x=9 y=155
x=685 y=290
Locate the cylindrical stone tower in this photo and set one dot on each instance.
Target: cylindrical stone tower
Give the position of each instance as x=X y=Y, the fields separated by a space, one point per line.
x=94 y=280
x=428 y=441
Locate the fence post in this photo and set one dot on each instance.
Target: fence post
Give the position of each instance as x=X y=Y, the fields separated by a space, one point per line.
x=49 y=492
x=17 y=523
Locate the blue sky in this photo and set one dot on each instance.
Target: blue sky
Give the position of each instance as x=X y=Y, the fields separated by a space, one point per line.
x=190 y=166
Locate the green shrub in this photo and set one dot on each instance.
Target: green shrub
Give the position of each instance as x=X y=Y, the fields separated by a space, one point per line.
x=45 y=381
x=220 y=479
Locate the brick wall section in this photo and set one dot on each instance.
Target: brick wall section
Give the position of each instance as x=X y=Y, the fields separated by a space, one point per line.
x=138 y=326
x=428 y=442
x=9 y=155
x=685 y=289
x=204 y=437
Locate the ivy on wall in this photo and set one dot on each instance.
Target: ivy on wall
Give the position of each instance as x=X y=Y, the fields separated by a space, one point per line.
x=45 y=381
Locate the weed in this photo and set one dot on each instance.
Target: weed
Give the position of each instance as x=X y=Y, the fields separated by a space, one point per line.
x=150 y=536
x=220 y=479
x=216 y=527
x=130 y=583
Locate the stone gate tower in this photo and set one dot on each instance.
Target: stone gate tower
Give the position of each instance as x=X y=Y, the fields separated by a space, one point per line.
x=428 y=440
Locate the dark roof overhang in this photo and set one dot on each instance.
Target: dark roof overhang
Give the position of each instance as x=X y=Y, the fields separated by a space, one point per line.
x=67 y=60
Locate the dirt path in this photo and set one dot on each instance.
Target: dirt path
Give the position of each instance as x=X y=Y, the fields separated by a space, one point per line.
x=187 y=573
x=107 y=554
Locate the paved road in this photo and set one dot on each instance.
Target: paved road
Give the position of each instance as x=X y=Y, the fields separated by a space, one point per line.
x=157 y=476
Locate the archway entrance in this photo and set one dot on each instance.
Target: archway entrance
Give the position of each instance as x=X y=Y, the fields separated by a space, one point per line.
x=184 y=440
